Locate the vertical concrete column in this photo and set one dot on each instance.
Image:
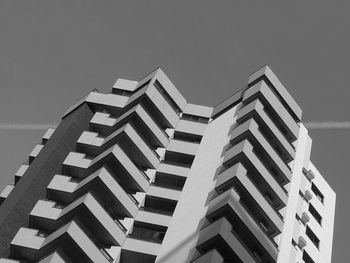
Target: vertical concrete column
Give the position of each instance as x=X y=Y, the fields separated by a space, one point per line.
x=302 y=154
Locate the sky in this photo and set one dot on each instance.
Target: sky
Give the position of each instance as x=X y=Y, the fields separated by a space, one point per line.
x=54 y=52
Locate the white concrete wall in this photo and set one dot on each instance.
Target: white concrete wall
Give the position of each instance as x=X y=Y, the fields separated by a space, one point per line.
x=327 y=210
x=291 y=209
x=296 y=204
x=189 y=216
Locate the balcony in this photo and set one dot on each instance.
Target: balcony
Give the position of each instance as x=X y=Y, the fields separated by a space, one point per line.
x=29 y=244
x=134 y=248
x=276 y=111
x=256 y=240
x=128 y=138
x=178 y=159
x=158 y=105
x=182 y=147
x=127 y=86
x=169 y=181
x=104 y=124
x=109 y=101
x=243 y=152
x=148 y=232
x=20 y=172
x=218 y=235
x=255 y=110
x=149 y=217
x=117 y=161
x=191 y=127
x=159 y=205
x=98 y=219
x=47 y=135
x=266 y=74
x=102 y=185
x=163 y=192
x=35 y=152
x=173 y=169
x=6 y=192
x=261 y=208
x=250 y=130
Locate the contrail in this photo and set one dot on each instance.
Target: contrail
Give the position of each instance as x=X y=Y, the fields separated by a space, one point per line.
x=45 y=126
x=26 y=126
x=327 y=124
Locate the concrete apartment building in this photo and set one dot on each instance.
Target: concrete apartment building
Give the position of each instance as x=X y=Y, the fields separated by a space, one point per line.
x=141 y=175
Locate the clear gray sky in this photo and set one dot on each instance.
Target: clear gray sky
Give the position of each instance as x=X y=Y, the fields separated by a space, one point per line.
x=54 y=52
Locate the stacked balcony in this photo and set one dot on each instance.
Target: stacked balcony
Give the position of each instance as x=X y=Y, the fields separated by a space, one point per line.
x=115 y=196
x=245 y=218
x=96 y=209
x=24 y=167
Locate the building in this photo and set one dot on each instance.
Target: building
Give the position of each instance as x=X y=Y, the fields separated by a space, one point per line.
x=141 y=175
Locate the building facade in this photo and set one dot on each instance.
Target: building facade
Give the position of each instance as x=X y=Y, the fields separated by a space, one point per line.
x=141 y=175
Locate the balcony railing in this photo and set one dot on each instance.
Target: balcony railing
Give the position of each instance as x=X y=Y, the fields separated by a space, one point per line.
x=120 y=225
x=133 y=199
x=272 y=173
x=155 y=236
x=263 y=227
x=273 y=148
x=106 y=255
x=139 y=134
x=144 y=174
x=168 y=186
x=158 y=211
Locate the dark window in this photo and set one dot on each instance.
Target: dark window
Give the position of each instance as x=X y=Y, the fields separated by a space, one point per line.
x=148 y=232
x=180 y=159
x=312 y=237
x=159 y=205
x=317 y=192
x=315 y=214
x=169 y=181
x=122 y=92
x=307 y=258
x=187 y=137
x=190 y=117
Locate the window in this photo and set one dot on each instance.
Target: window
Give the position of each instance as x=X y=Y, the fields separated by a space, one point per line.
x=307 y=258
x=312 y=237
x=187 y=137
x=159 y=205
x=315 y=214
x=169 y=181
x=149 y=232
x=179 y=159
x=190 y=117
x=317 y=192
